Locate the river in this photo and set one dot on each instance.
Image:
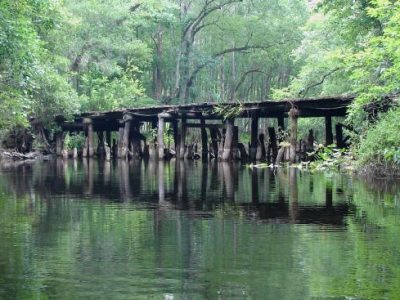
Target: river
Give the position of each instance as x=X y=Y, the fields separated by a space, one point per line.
x=190 y=230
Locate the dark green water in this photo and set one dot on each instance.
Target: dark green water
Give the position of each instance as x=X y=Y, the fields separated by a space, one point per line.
x=91 y=230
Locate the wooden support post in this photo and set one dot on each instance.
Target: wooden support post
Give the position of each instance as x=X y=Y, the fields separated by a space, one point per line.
x=204 y=140
x=114 y=148
x=293 y=115
x=75 y=153
x=242 y=151
x=281 y=127
x=235 y=143
x=175 y=129
x=178 y=137
x=272 y=145
x=85 y=146
x=90 y=140
x=160 y=136
x=134 y=140
x=182 y=140
x=152 y=144
x=108 y=138
x=328 y=131
x=125 y=136
x=263 y=153
x=59 y=143
x=253 y=139
x=227 y=153
x=310 y=141
x=64 y=151
x=339 y=136
x=154 y=124
x=90 y=148
x=120 y=139
x=214 y=141
x=101 y=151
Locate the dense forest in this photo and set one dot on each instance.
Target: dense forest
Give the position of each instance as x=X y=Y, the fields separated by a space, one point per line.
x=70 y=56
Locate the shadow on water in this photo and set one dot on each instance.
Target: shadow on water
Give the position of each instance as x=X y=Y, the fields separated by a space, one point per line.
x=183 y=229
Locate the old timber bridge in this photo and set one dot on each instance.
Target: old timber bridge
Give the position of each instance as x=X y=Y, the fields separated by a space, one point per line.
x=119 y=132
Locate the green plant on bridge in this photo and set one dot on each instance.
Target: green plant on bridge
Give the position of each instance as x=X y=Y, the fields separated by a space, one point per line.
x=228 y=111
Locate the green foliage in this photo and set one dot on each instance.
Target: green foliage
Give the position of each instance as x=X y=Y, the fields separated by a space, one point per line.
x=72 y=141
x=381 y=144
x=327 y=158
x=102 y=93
x=168 y=137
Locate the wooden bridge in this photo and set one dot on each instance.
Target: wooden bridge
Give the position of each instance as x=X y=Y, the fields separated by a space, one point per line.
x=216 y=121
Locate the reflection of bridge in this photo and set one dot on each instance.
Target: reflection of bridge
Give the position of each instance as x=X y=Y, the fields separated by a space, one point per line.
x=211 y=116
x=198 y=189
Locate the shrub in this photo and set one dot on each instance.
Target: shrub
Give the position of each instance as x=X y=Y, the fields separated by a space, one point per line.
x=379 y=149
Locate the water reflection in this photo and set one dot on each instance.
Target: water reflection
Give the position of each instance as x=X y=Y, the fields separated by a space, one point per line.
x=275 y=195
x=118 y=230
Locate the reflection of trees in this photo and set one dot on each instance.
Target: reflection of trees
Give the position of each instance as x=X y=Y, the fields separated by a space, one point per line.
x=53 y=240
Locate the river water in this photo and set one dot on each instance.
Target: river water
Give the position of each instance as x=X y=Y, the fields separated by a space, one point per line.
x=188 y=230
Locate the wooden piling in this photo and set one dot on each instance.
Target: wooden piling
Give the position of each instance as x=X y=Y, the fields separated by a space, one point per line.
x=85 y=146
x=263 y=153
x=214 y=141
x=339 y=136
x=90 y=149
x=328 y=131
x=59 y=143
x=175 y=129
x=135 y=140
x=160 y=136
x=272 y=145
x=310 y=141
x=227 y=152
x=253 y=139
x=125 y=136
x=120 y=139
x=293 y=115
x=108 y=138
x=281 y=128
x=182 y=140
x=204 y=140
x=100 y=148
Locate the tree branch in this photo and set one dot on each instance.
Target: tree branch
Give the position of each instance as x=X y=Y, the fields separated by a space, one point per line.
x=226 y=51
x=204 y=12
x=304 y=92
x=242 y=79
